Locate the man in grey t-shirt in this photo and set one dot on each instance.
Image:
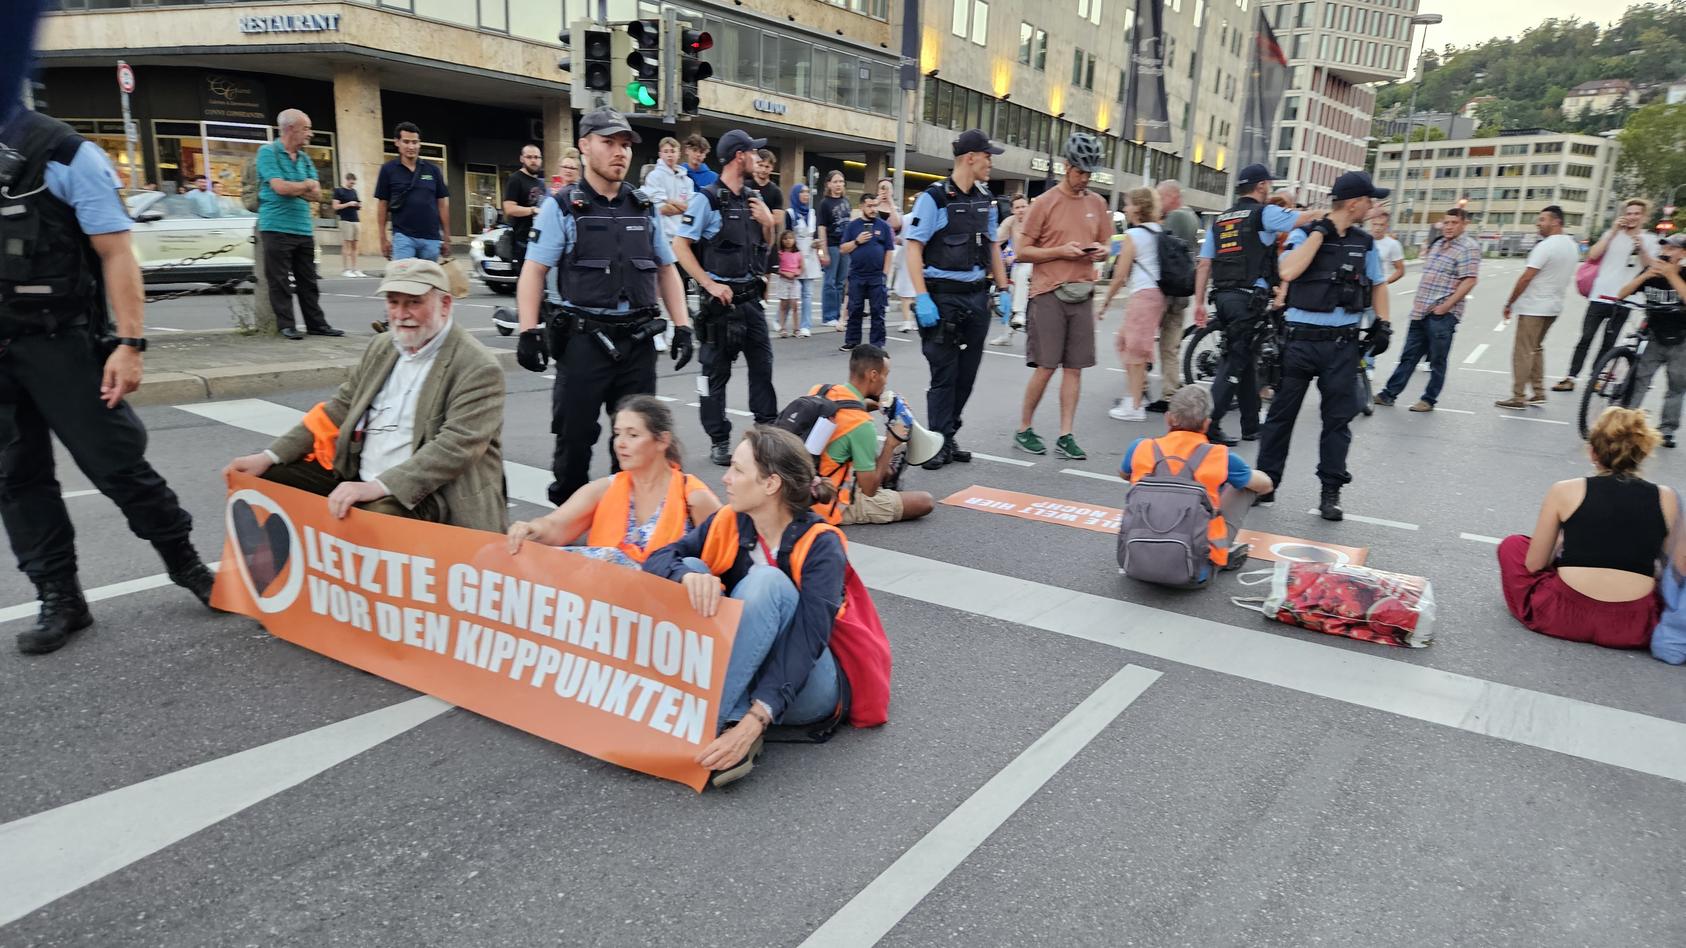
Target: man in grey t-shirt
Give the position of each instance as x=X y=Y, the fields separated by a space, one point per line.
x=1183 y=223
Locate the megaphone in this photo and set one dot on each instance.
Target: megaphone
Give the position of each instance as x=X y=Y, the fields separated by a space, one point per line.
x=922 y=444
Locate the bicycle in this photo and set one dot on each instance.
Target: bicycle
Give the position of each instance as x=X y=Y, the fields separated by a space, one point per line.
x=1203 y=356
x=1612 y=376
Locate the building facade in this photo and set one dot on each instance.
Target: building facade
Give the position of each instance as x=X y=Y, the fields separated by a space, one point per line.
x=1335 y=50
x=1504 y=182
x=1599 y=96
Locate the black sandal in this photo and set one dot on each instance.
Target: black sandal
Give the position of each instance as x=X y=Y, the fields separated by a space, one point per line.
x=741 y=769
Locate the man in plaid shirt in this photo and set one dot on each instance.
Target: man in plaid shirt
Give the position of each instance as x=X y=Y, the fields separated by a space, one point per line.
x=1450 y=269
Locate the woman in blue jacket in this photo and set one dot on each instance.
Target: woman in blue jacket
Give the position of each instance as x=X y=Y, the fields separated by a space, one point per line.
x=786 y=566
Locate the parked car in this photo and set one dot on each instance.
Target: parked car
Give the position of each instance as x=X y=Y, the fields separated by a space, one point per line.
x=498 y=274
x=170 y=229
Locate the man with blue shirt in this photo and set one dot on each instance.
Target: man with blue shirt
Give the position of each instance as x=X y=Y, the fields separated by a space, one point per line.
x=203 y=202
x=1238 y=257
x=413 y=194
x=288 y=190
x=951 y=258
x=1334 y=273
x=869 y=245
x=613 y=266
x=67 y=273
x=722 y=243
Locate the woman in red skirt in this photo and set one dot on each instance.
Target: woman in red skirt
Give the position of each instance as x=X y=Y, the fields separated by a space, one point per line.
x=1588 y=574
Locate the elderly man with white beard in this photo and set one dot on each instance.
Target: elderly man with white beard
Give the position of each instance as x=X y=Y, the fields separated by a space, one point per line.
x=415 y=429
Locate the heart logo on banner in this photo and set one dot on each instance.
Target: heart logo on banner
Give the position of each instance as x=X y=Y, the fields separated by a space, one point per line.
x=264 y=543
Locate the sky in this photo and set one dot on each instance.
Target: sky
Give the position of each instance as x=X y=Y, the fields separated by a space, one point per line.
x=1465 y=27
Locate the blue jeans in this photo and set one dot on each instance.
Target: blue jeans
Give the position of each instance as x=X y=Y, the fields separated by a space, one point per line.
x=1430 y=336
x=405 y=247
x=769 y=605
x=863 y=293
x=807 y=305
x=836 y=272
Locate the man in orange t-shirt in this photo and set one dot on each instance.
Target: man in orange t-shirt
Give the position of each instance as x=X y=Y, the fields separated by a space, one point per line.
x=1064 y=237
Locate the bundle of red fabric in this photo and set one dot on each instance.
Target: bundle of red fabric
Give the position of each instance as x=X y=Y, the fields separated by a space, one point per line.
x=1353 y=601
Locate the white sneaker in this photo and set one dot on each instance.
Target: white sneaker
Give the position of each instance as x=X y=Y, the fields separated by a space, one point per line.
x=348 y=273
x=804 y=333
x=1125 y=409
x=1017 y=321
x=1005 y=339
x=906 y=327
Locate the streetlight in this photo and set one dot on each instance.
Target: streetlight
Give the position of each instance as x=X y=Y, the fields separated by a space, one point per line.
x=1423 y=20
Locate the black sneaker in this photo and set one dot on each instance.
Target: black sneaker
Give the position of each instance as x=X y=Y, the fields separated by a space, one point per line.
x=941 y=459
x=1383 y=399
x=846 y=347
x=957 y=454
x=1249 y=436
x=1237 y=557
x=721 y=453
x=63 y=613
x=1329 y=507
x=1265 y=500
x=1158 y=407
x=1217 y=435
x=1668 y=440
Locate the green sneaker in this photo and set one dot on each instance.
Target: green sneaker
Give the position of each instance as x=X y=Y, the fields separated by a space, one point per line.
x=1027 y=440
x=1066 y=447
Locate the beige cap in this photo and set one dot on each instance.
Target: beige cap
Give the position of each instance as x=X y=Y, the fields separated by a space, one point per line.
x=415 y=277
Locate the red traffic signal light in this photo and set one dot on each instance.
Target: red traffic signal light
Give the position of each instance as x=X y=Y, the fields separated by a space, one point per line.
x=695 y=41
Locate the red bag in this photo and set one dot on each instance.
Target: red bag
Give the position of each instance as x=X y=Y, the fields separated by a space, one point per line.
x=862 y=651
x=1355 y=602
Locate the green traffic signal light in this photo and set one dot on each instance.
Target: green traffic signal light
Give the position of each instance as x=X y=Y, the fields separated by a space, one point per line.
x=640 y=94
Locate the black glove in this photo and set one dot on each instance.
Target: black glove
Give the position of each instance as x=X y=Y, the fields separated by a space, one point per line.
x=1324 y=227
x=681 y=347
x=531 y=351
x=1377 y=337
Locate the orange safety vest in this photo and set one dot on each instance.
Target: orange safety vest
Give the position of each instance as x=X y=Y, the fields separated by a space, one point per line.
x=721 y=546
x=324 y=432
x=1178 y=446
x=839 y=473
x=608 y=521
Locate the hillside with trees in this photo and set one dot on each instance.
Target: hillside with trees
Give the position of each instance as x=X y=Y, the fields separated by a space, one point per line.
x=1529 y=75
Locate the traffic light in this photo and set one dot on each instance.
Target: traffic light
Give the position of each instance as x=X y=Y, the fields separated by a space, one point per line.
x=595 y=55
x=692 y=69
x=644 y=86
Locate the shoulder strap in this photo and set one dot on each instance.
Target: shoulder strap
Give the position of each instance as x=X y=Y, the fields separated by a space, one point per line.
x=939 y=192
x=1197 y=458
x=1159 y=459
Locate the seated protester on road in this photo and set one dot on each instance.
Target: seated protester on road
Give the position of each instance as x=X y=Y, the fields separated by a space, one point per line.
x=426 y=444
x=768 y=550
x=649 y=504
x=1230 y=481
x=1588 y=574
x=1666 y=319
x=853 y=453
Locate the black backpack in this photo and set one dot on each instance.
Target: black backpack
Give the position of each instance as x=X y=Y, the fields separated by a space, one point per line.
x=803 y=414
x=1176 y=264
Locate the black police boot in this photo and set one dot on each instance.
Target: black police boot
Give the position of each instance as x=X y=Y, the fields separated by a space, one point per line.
x=1217 y=435
x=185 y=569
x=943 y=456
x=957 y=454
x=63 y=613
x=721 y=453
x=1329 y=508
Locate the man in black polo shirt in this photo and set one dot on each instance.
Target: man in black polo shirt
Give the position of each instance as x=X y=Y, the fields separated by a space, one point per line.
x=522 y=194
x=413 y=195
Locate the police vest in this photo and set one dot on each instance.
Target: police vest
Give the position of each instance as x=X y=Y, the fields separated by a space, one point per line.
x=1337 y=277
x=963 y=242
x=737 y=251
x=849 y=416
x=609 y=520
x=49 y=275
x=1240 y=257
x=613 y=259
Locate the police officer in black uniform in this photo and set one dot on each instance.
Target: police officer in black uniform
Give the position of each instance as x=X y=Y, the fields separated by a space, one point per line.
x=722 y=242
x=1333 y=274
x=613 y=265
x=952 y=258
x=64 y=236
x=1238 y=258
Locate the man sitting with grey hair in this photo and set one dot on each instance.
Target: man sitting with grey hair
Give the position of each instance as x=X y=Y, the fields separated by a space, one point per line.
x=1230 y=481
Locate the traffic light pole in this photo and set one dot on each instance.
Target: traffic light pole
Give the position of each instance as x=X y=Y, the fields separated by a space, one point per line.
x=671 y=66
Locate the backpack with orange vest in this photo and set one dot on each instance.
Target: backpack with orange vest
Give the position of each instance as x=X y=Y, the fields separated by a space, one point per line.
x=821 y=418
x=1173 y=530
x=858 y=640
x=608 y=522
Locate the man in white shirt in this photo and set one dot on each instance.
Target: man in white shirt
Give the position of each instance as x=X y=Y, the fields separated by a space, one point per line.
x=1537 y=299
x=1387 y=246
x=1624 y=252
x=669 y=185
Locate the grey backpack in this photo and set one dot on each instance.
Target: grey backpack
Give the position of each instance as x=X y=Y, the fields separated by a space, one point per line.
x=1162 y=537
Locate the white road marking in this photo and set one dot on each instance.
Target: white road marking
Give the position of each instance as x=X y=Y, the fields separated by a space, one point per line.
x=548 y=378
x=1455 y=411
x=1488 y=371
x=78 y=493
x=1500 y=327
x=1007 y=355
x=900 y=339
x=164 y=329
x=1543 y=421
x=885 y=901
x=54 y=853
x=1111 y=478
x=1479 y=538
x=1377 y=521
x=666 y=398
x=1476 y=354
x=1001 y=460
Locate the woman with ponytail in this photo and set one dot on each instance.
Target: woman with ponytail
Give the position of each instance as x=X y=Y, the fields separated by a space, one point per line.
x=788 y=567
x=1589 y=573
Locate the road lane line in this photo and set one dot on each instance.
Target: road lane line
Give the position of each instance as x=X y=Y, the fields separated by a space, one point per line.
x=78 y=493
x=164 y=329
x=1110 y=478
x=1500 y=327
x=1542 y=421
x=1377 y=521
x=1001 y=460
x=1455 y=411
x=53 y=853
x=1479 y=538
x=1476 y=354
x=1488 y=371
x=879 y=907
x=25 y=610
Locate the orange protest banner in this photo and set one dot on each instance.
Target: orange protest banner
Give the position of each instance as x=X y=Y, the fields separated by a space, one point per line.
x=1266 y=546
x=609 y=661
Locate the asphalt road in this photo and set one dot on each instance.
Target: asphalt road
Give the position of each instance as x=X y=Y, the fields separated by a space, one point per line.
x=1200 y=777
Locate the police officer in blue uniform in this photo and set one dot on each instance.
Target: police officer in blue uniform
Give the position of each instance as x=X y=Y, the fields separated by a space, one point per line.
x=1334 y=274
x=65 y=254
x=601 y=320
x=722 y=242
x=952 y=257
x=1238 y=256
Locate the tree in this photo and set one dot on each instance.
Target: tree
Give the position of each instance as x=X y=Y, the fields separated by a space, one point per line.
x=1654 y=147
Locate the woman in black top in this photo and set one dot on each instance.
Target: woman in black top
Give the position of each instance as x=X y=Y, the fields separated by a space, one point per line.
x=1589 y=573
